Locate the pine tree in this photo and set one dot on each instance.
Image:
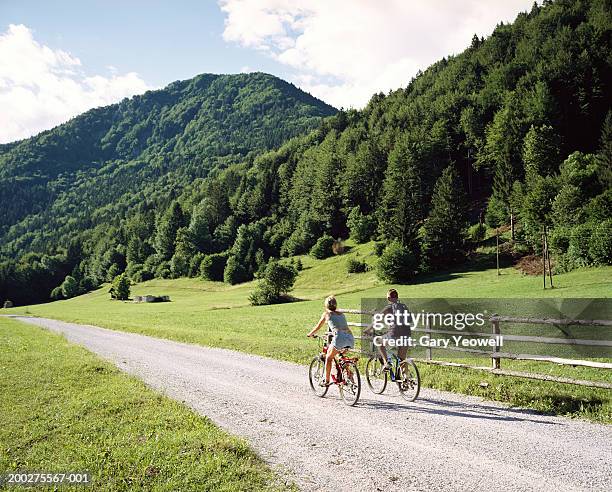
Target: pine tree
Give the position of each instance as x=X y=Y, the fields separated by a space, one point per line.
x=401 y=212
x=167 y=227
x=199 y=229
x=604 y=157
x=444 y=229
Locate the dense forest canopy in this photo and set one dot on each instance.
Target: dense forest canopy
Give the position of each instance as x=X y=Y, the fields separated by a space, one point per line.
x=516 y=130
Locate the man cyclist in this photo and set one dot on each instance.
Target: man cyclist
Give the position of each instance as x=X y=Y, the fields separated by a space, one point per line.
x=399 y=330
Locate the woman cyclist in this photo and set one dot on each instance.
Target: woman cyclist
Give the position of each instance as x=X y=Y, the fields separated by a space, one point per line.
x=341 y=334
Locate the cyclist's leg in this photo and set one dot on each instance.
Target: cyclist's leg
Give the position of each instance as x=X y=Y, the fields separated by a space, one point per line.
x=331 y=354
x=402 y=352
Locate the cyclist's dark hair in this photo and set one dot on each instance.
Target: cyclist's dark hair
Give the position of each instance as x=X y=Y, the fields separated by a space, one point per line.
x=392 y=294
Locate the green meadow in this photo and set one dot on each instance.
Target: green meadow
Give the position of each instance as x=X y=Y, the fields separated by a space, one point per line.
x=65 y=410
x=218 y=315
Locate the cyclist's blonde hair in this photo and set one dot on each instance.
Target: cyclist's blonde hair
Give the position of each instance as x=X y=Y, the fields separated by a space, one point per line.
x=330 y=303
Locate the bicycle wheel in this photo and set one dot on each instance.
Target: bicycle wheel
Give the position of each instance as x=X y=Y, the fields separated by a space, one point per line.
x=375 y=376
x=350 y=388
x=409 y=383
x=316 y=373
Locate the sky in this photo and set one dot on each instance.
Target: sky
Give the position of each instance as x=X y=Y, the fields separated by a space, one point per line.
x=61 y=58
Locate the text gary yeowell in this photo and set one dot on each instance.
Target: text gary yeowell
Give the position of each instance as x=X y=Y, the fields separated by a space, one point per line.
x=427 y=341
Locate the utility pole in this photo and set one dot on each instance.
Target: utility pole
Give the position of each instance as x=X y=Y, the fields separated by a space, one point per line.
x=497 y=254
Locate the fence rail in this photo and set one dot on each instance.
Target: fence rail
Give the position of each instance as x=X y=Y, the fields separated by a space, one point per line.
x=496 y=355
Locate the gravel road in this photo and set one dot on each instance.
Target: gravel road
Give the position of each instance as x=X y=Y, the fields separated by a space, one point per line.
x=443 y=441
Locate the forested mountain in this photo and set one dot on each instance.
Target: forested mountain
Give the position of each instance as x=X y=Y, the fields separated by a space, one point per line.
x=102 y=163
x=515 y=130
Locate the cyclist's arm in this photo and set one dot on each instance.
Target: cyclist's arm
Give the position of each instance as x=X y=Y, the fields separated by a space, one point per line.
x=370 y=329
x=318 y=326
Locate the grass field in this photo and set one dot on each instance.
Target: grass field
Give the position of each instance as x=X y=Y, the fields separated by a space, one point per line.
x=218 y=315
x=63 y=409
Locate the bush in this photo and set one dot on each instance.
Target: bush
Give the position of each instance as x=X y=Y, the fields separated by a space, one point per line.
x=120 y=288
x=276 y=283
x=142 y=275
x=57 y=294
x=578 y=250
x=600 y=244
x=163 y=270
x=355 y=266
x=323 y=247
x=234 y=272
x=477 y=232
x=396 y=264
x=379 y=248
x=70 y=287
x=298 y=265
x=133 y=268
x=559 y=240
x=194 y=265
x=179 y=265
x=212 y=267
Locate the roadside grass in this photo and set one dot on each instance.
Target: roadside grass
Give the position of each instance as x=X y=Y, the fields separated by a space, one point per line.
x=64 y=409
x=217 y=315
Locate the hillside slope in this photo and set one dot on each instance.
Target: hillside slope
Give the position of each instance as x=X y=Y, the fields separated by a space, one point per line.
x=93 y=168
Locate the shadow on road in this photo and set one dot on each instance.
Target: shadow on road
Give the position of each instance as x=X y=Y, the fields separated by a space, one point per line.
x=455 y=409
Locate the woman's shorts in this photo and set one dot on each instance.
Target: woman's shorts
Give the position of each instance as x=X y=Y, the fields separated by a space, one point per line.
x=342 y=340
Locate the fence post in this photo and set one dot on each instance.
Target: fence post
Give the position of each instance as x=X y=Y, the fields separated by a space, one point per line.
x=495 y=361
x=428 y=331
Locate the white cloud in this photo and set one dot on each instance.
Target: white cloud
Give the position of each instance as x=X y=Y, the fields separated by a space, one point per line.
x=41 y=87
x=364 y=46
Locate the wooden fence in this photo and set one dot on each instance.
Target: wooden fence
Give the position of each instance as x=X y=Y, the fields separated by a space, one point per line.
x=496 y=355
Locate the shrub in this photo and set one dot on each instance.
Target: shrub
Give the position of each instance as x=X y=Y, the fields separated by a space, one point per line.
x=234 y=272
x=179 y=265
x=578 y=250
x=163 y=270
x=142 y=275
x=600 y=244
x=559 y=240
x=396 y=264
x=379 y=248
x=57 y=294
x=120 y=288
x=323 y=247
x=212 y=267
x=477 y=232
x=70 y=287
x=298 y=265
x=355 y=266
x=194 y=264
x=277 y=281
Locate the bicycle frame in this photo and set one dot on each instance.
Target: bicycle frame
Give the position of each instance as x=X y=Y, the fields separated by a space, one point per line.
x=340 y=360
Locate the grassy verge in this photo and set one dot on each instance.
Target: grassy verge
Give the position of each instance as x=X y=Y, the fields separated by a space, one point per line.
x=63 y=409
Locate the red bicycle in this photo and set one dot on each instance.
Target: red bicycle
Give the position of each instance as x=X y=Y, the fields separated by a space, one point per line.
x=344 y=374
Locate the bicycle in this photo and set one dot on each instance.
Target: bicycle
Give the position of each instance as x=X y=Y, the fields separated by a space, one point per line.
x=347 y=376
x=402 y=372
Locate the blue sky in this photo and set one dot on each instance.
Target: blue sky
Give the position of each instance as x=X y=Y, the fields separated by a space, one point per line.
x=60 y=58
x=160 y=40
